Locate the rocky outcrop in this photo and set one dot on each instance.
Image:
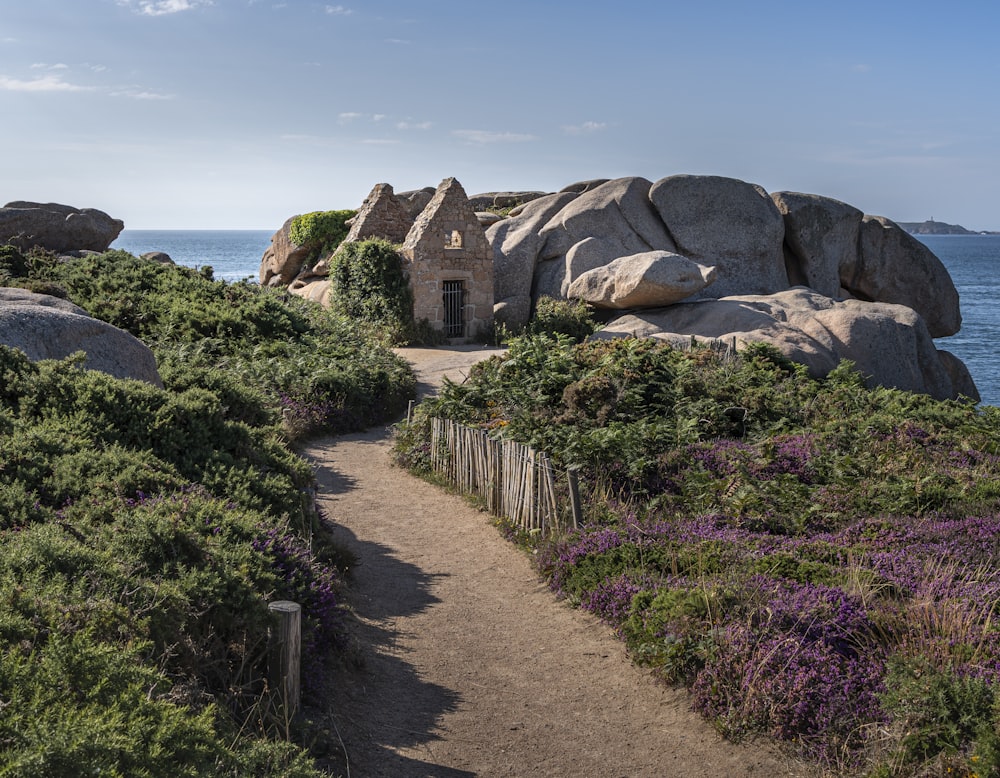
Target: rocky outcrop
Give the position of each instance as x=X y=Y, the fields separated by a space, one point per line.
x=648 y=280
x=502 y=200
x=579 y=187
x=890 y=344
x=416 y=200
x=886 y=295
x=517 y=242
x=283 y=259
x=46 y=327
x=159 y=257
x=727 y=223
x=487 y=218
x=821 y=235
x=758 y=244
x=58 y=228
x=614 y=219
x=837 y=250
x=816 y=277
x=895 y=267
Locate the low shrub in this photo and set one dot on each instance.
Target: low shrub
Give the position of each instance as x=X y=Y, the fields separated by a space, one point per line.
x=564 y=317
x=261 y=351
x=367 y=282
x=320 y=232
x=143 y=531
x=812 y=559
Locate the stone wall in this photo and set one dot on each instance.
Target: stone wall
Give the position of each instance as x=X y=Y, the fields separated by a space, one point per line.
x=448 y=244
x=382 y=215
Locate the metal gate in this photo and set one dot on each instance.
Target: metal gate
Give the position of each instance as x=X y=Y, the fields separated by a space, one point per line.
x=454 y=301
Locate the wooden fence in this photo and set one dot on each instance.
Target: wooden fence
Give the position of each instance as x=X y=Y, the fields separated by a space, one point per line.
x=513 y=480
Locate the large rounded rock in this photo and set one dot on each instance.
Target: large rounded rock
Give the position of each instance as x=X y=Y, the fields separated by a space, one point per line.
x=283 y=259
x=59 y=228
x=895 y=267
x=727 y=223
x=648 y=280
x=45 y=327
x=610 y=220
x=890 y=344
x=619 y=212
x=512 y=312
x=416 y=200
x=316 y=289
x=516 y=245
x=822 y=234
x=585 y=257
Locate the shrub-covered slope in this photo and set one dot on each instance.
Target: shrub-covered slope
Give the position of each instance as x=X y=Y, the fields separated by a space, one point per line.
x=814 y=560
x=144 y=531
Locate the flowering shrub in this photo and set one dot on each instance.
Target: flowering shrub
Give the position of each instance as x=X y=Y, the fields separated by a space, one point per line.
x=314 y=586
x=812 y=559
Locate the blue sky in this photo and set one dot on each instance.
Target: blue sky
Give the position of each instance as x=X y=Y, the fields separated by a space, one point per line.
x=241 y=113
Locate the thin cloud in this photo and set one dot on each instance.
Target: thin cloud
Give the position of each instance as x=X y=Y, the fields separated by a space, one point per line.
x=50 y=83
x=587 y=128
x=414 y=125
x=380 y=142
x=142 y=94
x=398 y=41
x=46 y=66
x=162 y=7
x=338 y=10
x=488 y=136
x=348 y=117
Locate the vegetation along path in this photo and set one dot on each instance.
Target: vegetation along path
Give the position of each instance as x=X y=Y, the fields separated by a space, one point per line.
x=471 y=667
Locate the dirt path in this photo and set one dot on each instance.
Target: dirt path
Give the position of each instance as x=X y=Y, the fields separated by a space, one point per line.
x=471 y=666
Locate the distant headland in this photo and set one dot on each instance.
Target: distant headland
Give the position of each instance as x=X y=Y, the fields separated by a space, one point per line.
x=931 y=227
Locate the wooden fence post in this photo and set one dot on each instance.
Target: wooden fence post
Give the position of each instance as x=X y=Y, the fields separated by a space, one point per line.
x=573 y=476
x=283 y=653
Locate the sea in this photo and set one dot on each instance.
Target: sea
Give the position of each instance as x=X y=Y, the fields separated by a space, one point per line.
x=972 y=260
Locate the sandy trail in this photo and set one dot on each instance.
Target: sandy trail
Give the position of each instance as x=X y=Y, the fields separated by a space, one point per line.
x=471 y=665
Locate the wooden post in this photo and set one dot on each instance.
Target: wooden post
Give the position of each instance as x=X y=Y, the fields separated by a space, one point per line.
x=573 y=476
x=409 y=413
x=283 y=653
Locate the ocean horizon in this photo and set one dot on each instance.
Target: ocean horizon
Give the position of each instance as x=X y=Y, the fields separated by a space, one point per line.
x=233 y=255
x=972 y=260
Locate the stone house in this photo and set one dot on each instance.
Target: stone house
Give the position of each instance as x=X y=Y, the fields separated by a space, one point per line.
x=450 y=265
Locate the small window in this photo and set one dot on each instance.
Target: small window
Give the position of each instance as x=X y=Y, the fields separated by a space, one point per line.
x=453 y=240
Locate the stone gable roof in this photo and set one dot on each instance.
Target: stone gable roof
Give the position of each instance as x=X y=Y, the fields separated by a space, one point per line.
x=449 y=212
x=382 y=215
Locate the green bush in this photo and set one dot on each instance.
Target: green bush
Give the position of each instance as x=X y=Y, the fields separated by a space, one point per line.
x=367 y=282
x=565 y=317
x=265 y=353
x=144 y=530
x=13 y=264
x=938 y=713
x=320 y=232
